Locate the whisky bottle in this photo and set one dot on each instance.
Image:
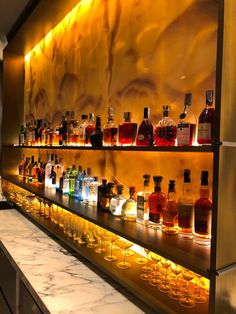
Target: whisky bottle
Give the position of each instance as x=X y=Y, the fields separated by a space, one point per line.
x=96 y=138
x=185 y=208
x=102 y=189
x=107 y=196
x=203 y=213
x=90 y=128
x=43 y=134
x=48 y=169
x=110 y=130
x=117 y=201
x=30 y=169
x=93 y=191
x=169 y=225
x=22 y=136
x=166 y=130
x=65 y=188
x=187 y=124
x=129 y=208
x=59 y=170
x=72 y=175
x=206 y=121
x=127 y=131
x=142 y=201
x=145 y=130
x=82 y=130
x=41 y=173
x=78 y=176
x=53 y=177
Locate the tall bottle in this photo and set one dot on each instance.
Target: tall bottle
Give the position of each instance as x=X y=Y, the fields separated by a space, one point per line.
x=203 y=213
x=90 y=128
x=166 y=130
x=185 y=208
x=157 y=203
x=53 y=177
x=77 y=181
x=206 y=121
x=186 y=130
x=170 y=213
x=59 y=171
x=87 y=180
x=145 y=130
x=93 y=191
x=82 y=130
x=102 y=189
x=72 y=175
x=127 y=131
x=65 y=186
x=110 y=130
x=142 y=201
x=96 y=138
x=117 y=201
x=48 y=170
x=129 y=208
x=41 y=173
x=22 y=135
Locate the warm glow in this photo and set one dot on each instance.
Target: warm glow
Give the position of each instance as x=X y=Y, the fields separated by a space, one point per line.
x=27 y=57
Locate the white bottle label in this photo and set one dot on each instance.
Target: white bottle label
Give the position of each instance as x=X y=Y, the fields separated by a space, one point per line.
x=204 y=131
x=183 y=134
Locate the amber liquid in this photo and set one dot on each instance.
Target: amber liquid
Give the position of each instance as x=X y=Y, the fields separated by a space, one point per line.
x=88 y=131
x=127 y=133
x=165 y=136
x=110 y=136
x=207 y=116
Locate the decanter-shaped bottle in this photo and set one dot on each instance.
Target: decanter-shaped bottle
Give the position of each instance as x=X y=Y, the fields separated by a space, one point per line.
x=145 y=130
x=170 y=213
x=127 y=131
x=129 y=208
x=90 y=128
x=110 y=130
x=166 y=130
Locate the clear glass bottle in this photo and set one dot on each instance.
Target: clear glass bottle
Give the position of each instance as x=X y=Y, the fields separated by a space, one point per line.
x=145 y=130
x=78 y=176
x=48 y=169
x=82 y=130
x=106 y=196
x=93 y=191
x=206 y=121
x=170 y=213
x=117 y=201
x=166 y=130
x=90 y=129
x=96 y=138
x=110 y=130
x=86 y=182
x=127 y=131
x=72 y=175
x=185 y=208
x=101 y=192
x=65 y=188
x=186 y=130
x=157 y=203
x=142 y=201
x=59 y=170
x=22 y=135
x=129 y=208
x=203 y=213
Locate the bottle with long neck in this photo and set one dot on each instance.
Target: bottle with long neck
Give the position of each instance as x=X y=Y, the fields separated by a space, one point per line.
x=96 y=138
x=72 y=175
x=203 y=213
x=77 y=181
x=170 y=213
x=48 y=169
x=142 y=201
x=185 y=208
x=87 y=180
x=145 y=130
x=110 y=130
x=53 y=177
x=90 y=128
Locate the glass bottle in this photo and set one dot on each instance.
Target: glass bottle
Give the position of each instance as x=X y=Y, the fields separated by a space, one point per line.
x=110 y=130
x=206 y=121
x=87 y=180
x=22 y=135
x=186 y=130
x=81 y=185
x=157 y=203
x=101 y=192
x=59 y=170
x=53 y=177
x=49 y=134
x=106 y=197
x=26 y=169
x=63 y=129
x=38 y=132
x=30 y=169
x=65 y=188
x=41 y=173
x=90 y=128
x=129 y=208
x=203 y=213
x=61 y=182
x=142 y=201
x=170 y=212
x=93 y=191
x=145 y=130
x=166 y=130
x=96 y=138
x=77 y=181
x=127 y=131
x=72 y=175
x=185 y=208
x=43 y=135
x=82 y=130
x=117 y=201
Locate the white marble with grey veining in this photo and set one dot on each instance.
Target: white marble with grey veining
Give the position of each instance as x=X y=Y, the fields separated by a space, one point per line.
x=63 y=283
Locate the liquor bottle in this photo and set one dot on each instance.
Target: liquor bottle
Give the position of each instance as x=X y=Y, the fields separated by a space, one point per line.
x=56 y=136
x=106 y=197
x=61 y=182
x=117 y=201
x=43 y=134
x=166 y=130
x=157 y=203
x=59 y=171
x=129 y=208
x=101 y=192
x=48 y=169
x=65 y=188
x=38 y=132
x=145 y=130
x=77 y=181
x=203 y=213
x=93 y=191
x=31 y=165
x=185 y=208
x=63 y=130
x=53 y=177
x=81 y=185
x=127 y=131
x=22 y=135
x=90 y=128
x=82 y=130
x=26 y=169
x=72 y=175
x=142 y=201
x=49 y=134
x=170 y=212
x=206 y=121
x=186 y=130
x=110 y=130
x=87 y=180
x=96 y=138
x=41 y=173
x=21 y=167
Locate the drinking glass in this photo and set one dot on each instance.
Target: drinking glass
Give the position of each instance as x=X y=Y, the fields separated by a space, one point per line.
x=176 y=270
x=164 y=285
x=111 y=238
x=146 y=269
x=154 y=279
x=141 y=260
x=186 y=300
x=199 y=297
x=99 y=235
x=124 y=245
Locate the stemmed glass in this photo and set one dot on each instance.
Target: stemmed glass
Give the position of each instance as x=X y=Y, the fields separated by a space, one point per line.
x=124 y=245
x=99 y=235
x=198 y=297
x=164 y=286
x=89 y=236
x=155 y=280
x=80 y=231
x=111 y=237
x=146 y=269
x=140 y=260
x=186 y=299
x=176 y=270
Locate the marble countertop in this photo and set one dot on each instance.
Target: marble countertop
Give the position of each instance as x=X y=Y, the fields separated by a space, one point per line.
x=63 y=283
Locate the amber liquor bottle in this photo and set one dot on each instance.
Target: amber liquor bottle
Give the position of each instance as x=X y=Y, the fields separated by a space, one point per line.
x=145 y=130
x=96 y=137
x=170 y=213
x=110 y=130
x=203 y=213
x=142 y=201
x=127 y=131
x=90 y=128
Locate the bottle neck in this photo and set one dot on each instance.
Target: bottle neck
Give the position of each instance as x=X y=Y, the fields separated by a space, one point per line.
x=204 y=191
x=171 y=196
x=186 y=188
x=157 y=189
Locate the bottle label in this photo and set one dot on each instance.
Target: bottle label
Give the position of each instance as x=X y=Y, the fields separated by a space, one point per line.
x=185 y=216
x=183 y=134
x=203 y=222
x=140 y=207
x=204 y=131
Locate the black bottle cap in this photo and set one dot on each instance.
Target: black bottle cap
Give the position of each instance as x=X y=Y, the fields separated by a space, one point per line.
x=84 y=116
x=120 y=189
x=80 y=168
x=146 y=179
x=127 y=116
x=157 y=179
x=104 y=182
x=209 y=97
x=73 y=167
x=166 y=109
x=132 y=190
x=146 y=113
x=98 y=122
x=89 y=171
x=187 y=174
x=95 y=179
x=110 y=184
x=204 y=178
x=188 y=99
x=171 y=186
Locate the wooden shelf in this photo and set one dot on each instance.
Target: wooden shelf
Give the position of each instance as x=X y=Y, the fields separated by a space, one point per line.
x=184 y=252
x=149 y=298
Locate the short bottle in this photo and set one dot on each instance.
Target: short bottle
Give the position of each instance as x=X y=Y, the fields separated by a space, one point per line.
x=82 y=130
x=157 y=203
x=166 y=130
x=106 y=197
x=96 y=138
x=102 y=189
x=170 y=213
x=93 y=191
x=129 y=208
x=117 y=201
x=186 y=130
x=90 y=128
x=185 y=208
x=110 y=130
x=203 y=213
x=145 y=130
x=206 y=121
x=65 y=188
x=88 y=179
x=142 y=201
x=127 y=131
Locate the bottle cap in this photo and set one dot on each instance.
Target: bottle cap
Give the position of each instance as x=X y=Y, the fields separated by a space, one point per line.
x=132 y=190
x=91 y=116
x=157 y=179
x=166 y=109
x=188 y=99
x=209 y=97
x=146 y=179
x=104 y=181
x=110 y=184
x=204 y=178
x=84 y=116
x=95 y=179
x=127 y=116
x=89 y=171
x=80 y=168
x=120 y=188
x=187 y=174
x=146 y=112
x=110 y=112
x=171 y=186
